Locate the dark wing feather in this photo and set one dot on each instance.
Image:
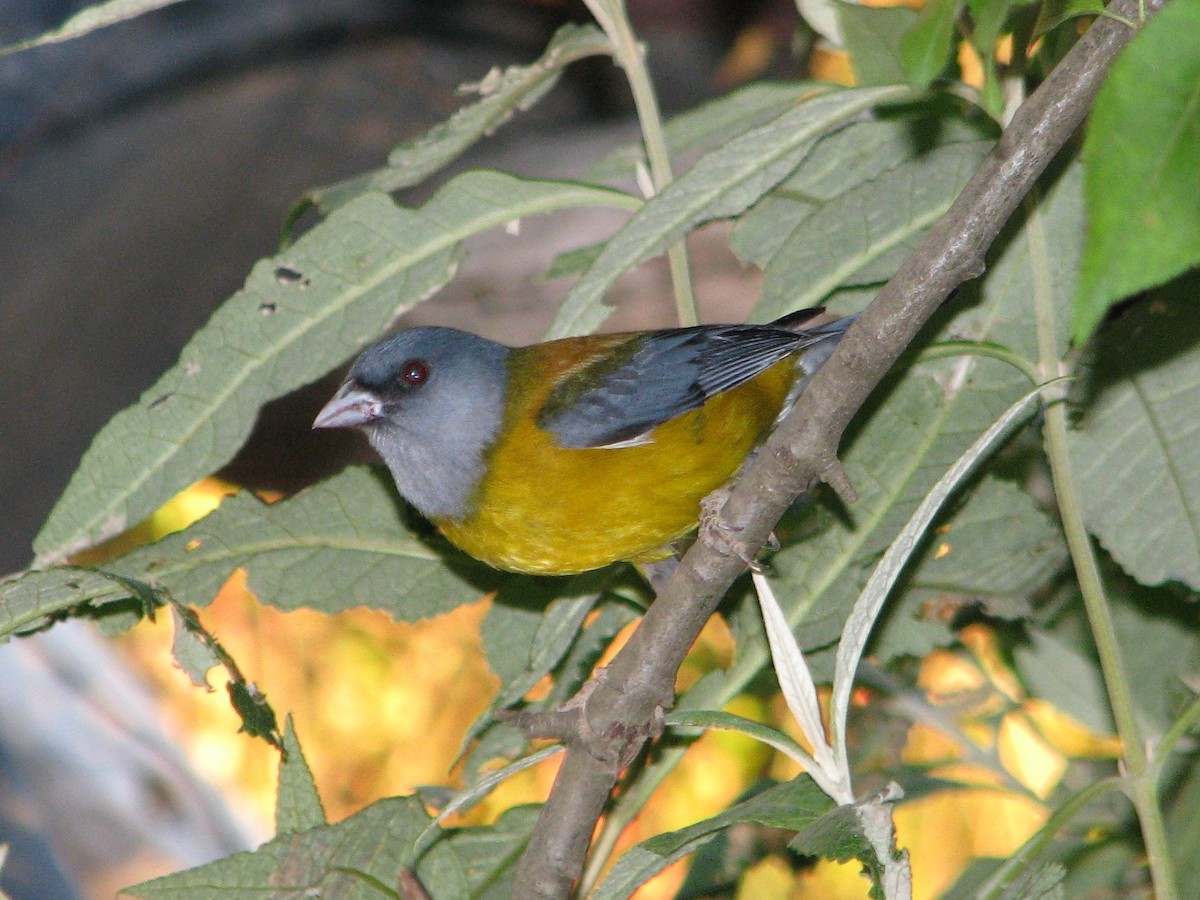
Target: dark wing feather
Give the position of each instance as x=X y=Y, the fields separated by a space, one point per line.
x=658 y=376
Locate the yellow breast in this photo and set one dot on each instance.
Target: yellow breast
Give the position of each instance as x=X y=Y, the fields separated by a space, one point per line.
x=544 y=509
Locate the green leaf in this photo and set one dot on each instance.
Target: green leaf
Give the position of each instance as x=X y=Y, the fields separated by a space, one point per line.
x=300 y=314
x=573 y=262
x=1042 y=882
x=925 y=48
x=1057 y=670
x=1163 y=682
x=485 y=783
x=1182 y=809
x=791 y=805
x=872 y=37
x=297 y=803
x=1053 y=13
x=585 y=652
x=847 y=832
x=359 y=858
x=490 y=854
x=1134 y=450
x=710 y=125
x=713 y=718
x=723 y=183
x=840 y=162
x=89 y=19
x=501 y=93
x=869 y=604
x=535 y=624
x=337 y=545
x=491 y=742
x=191 y=652
x=257 y=715
x=996 y=550
x=30 y=601
x=1142 y=154
x=526 y=657
x=862 y=236
x=988 y=18
x=999 y=543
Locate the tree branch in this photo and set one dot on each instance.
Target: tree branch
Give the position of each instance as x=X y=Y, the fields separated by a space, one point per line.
x=627 y=699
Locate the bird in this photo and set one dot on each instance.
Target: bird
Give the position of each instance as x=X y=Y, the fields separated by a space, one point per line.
x=568 y=455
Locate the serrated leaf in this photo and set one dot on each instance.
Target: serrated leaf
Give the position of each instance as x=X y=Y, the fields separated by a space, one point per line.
x=1142 y=154
x=336 y=545
x=257 y=715
x=299 y=314
x=1000 y=542
x=297 y=803
x=863 y=235
x=30 y=600
x=792 y=805
x=835 y=835
x=350 y=860
x=925 y=48
x=501 y=93
x=722 y=183
x=191 y=653
x=1134 y=450
x=872 y=35
x=89 y=19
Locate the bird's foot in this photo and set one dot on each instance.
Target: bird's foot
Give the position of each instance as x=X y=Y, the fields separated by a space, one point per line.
x=727 y=538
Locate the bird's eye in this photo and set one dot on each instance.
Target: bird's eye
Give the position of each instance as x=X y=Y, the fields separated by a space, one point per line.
x=414 y=372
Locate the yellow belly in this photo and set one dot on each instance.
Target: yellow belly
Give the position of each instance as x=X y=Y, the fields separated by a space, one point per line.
x=544 y=509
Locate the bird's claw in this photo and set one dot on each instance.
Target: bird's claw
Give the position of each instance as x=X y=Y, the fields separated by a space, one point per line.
x=726 y=537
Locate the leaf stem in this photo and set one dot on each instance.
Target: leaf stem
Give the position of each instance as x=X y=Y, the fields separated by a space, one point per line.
x=1141 y=780
x=945 y=349
x=631 y=56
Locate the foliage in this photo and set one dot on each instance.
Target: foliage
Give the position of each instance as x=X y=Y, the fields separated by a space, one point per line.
x=828 y=189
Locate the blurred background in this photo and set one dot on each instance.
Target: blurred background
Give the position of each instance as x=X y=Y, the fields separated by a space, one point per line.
x=143 y=169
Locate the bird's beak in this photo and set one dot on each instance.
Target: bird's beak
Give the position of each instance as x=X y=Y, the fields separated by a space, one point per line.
x=350 y=407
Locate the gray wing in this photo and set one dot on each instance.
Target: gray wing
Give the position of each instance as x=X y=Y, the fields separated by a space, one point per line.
x=658 y=376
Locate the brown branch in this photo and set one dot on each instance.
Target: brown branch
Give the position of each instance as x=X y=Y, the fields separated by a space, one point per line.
x=625 y=703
